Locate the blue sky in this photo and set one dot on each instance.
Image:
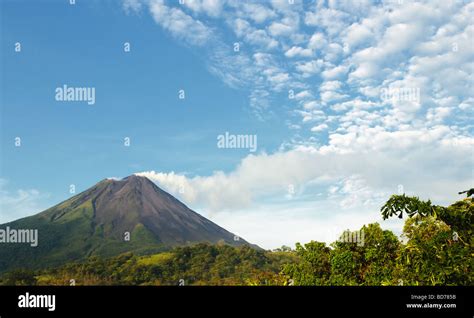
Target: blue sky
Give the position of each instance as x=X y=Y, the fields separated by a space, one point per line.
x=137 y=97
x=307 y=81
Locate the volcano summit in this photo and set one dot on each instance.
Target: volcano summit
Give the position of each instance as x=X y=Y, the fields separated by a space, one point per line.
x=110 y=218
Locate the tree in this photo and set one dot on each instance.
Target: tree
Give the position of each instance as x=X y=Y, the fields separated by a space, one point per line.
x=20 y=277
x=439 y=249
x=313 y=267
x=368 y=261
x=380 y=250
x=468 y=193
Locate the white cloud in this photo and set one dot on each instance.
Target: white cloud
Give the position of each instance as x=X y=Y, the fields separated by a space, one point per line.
x=179 y=23
x=210 y=7
x=354 y=104
x=437 y=115
x=330 y=92
x=333 y=21
x=303 y=95
x=280 y=29
x=331 y=86
x=319 y=128
x=245 y=30
x=285 y=6
x=362 y=168
x=298 y=51
x=257 y=12
x=310 y=68
x=271 y=226
x=260 y=37
x=335 y=72
x=358 y=35
x=369 y=46
x=317 y=41
x=20 y=203
x=348 y=52
x=382 y=158
x=332 y=96
x=311 y=104
x=132 y=6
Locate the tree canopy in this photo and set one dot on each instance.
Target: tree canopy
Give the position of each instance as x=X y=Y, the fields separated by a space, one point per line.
x=436 y=249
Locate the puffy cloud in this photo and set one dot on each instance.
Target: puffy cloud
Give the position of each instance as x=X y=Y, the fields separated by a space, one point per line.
x=298 y=51
x=339 y=65
x=357 y=35
x=311 y=104
x=210 y=7
x=259 y=37
x=319 y=128
x=380 y=159
x=179 y=23
x=309 y=68
x=371 y=46
x=333 y=21
x=437 y=115
x=317 y=41
x=258 y=13
x=334 y=72
x=285 y=6
x=280 y=29
x=330 y=92
x=303 y=95
x=331 y=86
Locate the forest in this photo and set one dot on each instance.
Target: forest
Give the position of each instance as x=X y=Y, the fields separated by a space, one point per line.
x=436 y=248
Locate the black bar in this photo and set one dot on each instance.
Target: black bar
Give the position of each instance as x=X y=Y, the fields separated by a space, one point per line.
x=247 y=301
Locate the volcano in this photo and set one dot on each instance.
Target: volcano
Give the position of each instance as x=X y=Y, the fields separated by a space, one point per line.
x=110 y=218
